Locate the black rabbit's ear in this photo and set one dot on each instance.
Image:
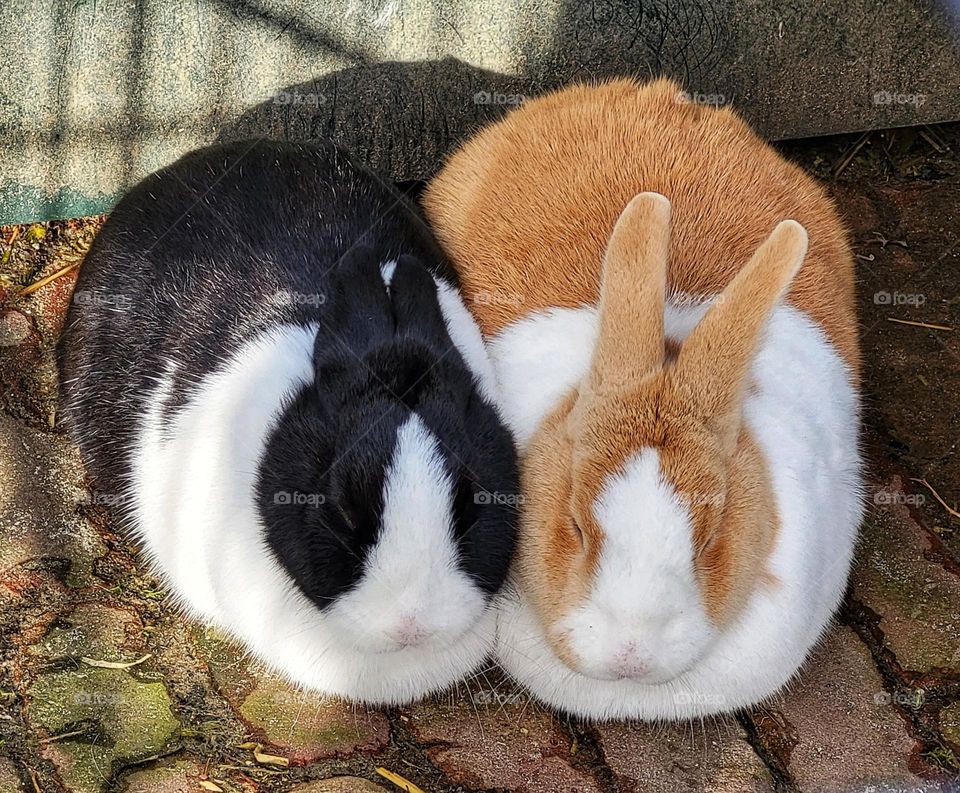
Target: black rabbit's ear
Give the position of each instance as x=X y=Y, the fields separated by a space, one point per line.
x=358 y=315
x=415 y=303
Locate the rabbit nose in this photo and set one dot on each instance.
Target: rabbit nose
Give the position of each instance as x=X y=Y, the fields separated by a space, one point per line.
x=628 y=664
x=409 y=631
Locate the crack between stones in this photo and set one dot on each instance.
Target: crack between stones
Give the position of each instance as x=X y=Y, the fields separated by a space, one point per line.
x=777 y=766
x=589 y=757
x=921 y=724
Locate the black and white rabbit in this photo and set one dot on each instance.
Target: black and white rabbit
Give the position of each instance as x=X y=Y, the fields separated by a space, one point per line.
x=268 y=366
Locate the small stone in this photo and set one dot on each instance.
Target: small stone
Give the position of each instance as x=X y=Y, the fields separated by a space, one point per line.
x=15 y=328
x=690 y=757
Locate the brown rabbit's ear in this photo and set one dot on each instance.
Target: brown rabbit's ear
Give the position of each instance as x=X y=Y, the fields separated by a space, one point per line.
x=715 y=359
x=632 y=286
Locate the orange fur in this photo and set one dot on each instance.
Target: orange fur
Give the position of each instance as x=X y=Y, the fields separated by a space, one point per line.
x=525 y=210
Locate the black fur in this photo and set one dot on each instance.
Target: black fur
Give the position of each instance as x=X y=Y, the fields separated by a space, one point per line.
x=189 y=266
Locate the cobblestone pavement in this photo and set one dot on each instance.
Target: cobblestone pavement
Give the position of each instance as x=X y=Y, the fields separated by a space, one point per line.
x=105 y=689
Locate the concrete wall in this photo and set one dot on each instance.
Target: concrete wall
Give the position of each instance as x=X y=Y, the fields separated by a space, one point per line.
x=96 y=93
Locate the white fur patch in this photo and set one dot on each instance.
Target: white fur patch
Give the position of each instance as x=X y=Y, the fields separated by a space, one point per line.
x=538 y=360
x=466 y=337
x=643 y=617
x=804 y=414
x=412 y=589
x=195 y=513
x=387 y=269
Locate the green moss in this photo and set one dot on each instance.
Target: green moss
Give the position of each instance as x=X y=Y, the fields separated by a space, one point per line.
x=291 y=718
x=124 y=720
x=944 y=758
x=950 y=723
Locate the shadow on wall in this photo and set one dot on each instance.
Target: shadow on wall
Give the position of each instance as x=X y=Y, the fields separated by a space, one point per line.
x=402 y=118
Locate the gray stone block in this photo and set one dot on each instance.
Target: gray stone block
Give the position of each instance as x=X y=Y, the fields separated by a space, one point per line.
x=96 y=93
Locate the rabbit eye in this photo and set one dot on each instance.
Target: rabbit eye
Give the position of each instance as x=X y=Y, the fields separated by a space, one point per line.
x=707 y=544
x=578 y=533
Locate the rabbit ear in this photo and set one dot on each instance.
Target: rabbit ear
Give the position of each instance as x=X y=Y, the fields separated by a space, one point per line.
x=714 y=361
x=632 y=286
x=358 y=311
x=416 y=305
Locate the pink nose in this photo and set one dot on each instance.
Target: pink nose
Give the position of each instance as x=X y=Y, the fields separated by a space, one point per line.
x=627 y=663
x=409 y=631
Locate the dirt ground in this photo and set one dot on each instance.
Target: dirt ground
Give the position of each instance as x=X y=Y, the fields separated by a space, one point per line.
x=104 y=689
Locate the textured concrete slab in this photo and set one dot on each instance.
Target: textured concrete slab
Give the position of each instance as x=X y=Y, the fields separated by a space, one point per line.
x=94 y=95
x=685 y=758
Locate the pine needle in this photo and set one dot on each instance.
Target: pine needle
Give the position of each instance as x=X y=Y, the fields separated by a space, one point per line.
x=399 y=781
x=30 y=289
x=114 y=664
x=950 y=510
x=929 y=325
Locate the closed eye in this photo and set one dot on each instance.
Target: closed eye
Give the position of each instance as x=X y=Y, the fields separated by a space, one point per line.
x=578 y=533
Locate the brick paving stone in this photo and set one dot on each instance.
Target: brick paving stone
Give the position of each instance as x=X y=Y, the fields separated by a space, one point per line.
x=181 y=776
x=41 y=488
x=340 y=784
x=119 y=718
x=482 y=739
x=682 y=758
x=848 y=734
x=915 y=597
x=301 y=725
x=93 y=630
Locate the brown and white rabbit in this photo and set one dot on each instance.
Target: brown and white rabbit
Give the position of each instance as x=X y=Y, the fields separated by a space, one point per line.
x=685 y=395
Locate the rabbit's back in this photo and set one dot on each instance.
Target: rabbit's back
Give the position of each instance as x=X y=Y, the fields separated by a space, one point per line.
x=202 y=256
x=542 y=189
